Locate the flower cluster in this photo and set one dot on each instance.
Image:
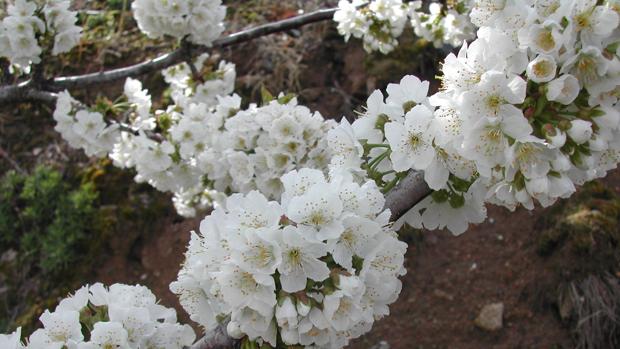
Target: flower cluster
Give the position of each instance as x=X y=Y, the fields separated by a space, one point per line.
x=28 y=24
x=185 y=90
x=316 y=269
x=61 y=23
x=96 y=317
x=379 y=23
x=250 y=149
x=82 y=128
x=526 y=112
x=442 y=24
x=201 y=21
x=202 y=145
x=164 y=144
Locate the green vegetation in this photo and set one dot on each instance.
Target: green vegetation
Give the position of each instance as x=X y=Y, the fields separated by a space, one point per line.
x=46 y=220
x=47 y=226
x=57 y=227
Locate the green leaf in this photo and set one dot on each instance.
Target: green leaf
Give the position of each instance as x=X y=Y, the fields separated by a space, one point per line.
x=266 y=96
x=440 y=196
x=286 y=98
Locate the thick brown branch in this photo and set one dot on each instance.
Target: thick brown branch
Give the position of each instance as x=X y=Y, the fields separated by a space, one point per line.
x=408 y=192
x=216 y=339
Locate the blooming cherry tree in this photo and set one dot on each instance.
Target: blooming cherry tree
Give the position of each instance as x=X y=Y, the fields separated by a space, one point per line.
x=300 y=247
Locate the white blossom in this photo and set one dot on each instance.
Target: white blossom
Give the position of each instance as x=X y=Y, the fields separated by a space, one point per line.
x=29 y=21
x=11 y=341
x=281 y=267
x=580 y=131
x=563 y=89
x=200 y=20
x=123 y=317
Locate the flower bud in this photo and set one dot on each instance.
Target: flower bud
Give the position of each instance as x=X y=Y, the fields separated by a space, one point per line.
x=303 y=309
x=580 y=131
x=234 y=330
x=555 y=137
x=563 y=89
x=564 y=125
x=529 y=112
x=286 y=313
x=549 y=130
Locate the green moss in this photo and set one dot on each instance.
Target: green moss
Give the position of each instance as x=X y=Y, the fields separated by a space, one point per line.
x=549 y=240
x=585 y=231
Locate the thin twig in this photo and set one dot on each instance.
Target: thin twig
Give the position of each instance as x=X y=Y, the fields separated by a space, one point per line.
x=179 y=55
x=189 y=60
x=27 y=90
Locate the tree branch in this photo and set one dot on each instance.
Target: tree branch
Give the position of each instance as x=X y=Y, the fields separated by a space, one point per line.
x=25 y=92
x=407 y=193
x=216 y=339
x=180 y=55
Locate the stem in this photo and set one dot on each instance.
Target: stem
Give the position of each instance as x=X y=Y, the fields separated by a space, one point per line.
x=190 y=61
x=390 y=185
x=373 y=145
x=375 y=162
